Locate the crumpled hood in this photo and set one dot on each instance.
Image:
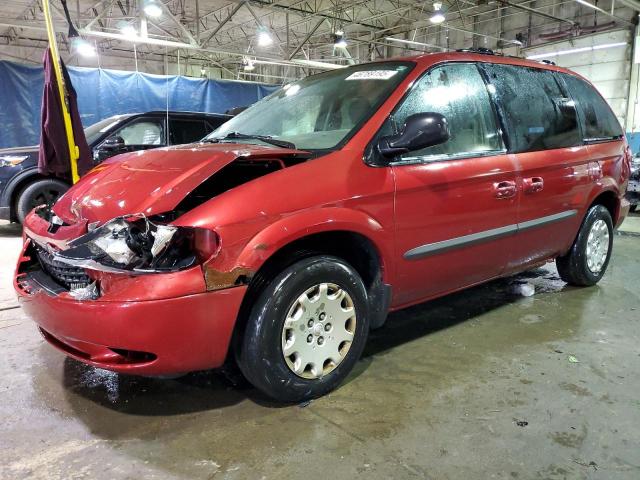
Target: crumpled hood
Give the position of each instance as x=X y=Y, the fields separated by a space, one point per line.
x=151 y=181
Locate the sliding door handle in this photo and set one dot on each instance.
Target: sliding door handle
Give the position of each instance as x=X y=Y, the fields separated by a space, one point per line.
x=506 y=189
x=533 y=184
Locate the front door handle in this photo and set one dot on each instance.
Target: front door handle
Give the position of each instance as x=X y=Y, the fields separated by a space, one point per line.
x=506 y=189
x=533 y=184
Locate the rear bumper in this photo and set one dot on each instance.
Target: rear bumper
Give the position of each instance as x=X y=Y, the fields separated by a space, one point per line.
x=153 y=337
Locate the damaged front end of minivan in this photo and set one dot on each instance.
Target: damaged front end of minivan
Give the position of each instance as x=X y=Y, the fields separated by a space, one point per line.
x=128 y=272
x=75 y=248
x=135 y=245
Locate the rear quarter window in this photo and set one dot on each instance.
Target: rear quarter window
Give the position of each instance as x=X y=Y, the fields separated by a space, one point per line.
x=537 y=111
x=599 y=123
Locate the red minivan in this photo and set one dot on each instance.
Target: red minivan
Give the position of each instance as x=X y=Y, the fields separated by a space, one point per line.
x=293 y=229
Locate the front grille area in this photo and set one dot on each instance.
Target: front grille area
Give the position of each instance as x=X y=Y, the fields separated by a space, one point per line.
x=66 y=275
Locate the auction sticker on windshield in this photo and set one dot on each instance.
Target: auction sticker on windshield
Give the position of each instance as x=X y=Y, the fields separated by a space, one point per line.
x=372 y=75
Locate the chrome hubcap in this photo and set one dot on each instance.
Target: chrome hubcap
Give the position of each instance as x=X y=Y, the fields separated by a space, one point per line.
x=597 y=246
x=318 y=330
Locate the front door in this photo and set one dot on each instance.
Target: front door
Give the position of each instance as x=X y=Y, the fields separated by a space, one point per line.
x=140 y=134
x=456 y=203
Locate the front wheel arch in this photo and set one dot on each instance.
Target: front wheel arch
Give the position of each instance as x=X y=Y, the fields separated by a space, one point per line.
x=21 y=197
x=354 y=248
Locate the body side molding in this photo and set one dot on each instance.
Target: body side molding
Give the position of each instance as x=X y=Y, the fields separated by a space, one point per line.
x=484 y=236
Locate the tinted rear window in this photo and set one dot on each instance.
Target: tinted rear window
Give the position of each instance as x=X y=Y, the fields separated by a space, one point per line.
x=598 y=120
x=538 y=113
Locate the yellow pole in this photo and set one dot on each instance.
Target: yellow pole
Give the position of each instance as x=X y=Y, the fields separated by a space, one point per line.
x=74 y=152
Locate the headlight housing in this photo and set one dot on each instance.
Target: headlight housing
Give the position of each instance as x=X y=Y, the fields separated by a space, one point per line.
x=134 y=244
x=12 y=160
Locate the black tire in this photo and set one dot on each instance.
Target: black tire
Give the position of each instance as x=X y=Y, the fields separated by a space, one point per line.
x=633 y=208
x=573 y=267
x=260 y=352
x=46 y=190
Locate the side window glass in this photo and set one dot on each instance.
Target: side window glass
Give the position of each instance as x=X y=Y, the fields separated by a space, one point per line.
x=143 y=132
x=599 y=122
x=458 y=92
x=539 y=114
x=186 y=131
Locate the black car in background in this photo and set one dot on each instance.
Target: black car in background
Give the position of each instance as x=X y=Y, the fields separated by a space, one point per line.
x=22 y=188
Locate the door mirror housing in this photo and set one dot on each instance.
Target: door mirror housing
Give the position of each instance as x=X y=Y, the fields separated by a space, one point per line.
x=110 y=147
x=419 y=131
x=114 y=142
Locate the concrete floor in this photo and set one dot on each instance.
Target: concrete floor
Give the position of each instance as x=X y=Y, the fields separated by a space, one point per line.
x=478 y=385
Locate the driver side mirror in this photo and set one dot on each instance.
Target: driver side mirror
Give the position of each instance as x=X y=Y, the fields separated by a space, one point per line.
x=114 y=142
x=110 y=147
x=420 y=130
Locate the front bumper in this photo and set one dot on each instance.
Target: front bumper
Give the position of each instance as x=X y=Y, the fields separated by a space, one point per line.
x=146 y=337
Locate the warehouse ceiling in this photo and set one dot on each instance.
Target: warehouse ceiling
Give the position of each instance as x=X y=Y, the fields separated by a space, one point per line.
x=274 y=40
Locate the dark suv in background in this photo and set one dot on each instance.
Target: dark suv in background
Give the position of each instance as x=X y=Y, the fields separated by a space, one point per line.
x=22 y=188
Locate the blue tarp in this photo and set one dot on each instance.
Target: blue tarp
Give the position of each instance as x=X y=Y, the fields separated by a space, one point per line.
x=102 y=93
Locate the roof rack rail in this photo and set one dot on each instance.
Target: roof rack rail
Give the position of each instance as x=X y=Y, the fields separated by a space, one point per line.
x=547 y=62
x=480 y=50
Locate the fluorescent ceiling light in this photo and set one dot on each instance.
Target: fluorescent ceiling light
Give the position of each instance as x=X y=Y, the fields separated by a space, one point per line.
x=438 y=16
x=576 y=50
x=264 y=37
x=248 y=64
x=590 y=5
x=129 y=31
x=152 y=9
x=85 y=49
x=339 y=40
x=82 y=47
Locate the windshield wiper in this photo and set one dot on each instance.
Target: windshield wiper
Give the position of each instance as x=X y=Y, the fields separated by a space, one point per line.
x=263 y=138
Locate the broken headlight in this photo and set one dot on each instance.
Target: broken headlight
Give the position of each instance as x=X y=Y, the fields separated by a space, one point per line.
x=135 y=244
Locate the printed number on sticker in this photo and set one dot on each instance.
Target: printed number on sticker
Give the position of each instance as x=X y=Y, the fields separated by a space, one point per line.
x=372 y=75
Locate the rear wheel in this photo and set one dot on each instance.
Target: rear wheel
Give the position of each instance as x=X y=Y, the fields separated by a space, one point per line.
x=306 y=330
x=44 y=191
x=589 y=256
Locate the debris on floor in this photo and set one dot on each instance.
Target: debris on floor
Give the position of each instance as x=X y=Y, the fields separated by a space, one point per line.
x=525 y=289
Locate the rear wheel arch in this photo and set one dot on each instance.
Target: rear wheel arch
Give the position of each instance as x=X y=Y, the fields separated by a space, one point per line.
x=609 y=200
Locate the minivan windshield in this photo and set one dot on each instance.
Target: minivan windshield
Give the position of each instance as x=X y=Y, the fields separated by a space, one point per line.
x=318 y=112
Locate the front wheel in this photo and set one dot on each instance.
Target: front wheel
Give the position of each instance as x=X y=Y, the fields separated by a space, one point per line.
x=306 y=330
x=589 y=256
